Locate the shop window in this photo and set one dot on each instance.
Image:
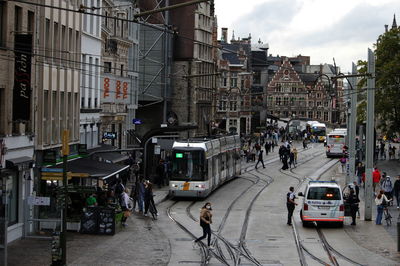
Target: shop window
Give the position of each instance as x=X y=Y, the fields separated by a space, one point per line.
x=2 y=24
x=12 y=198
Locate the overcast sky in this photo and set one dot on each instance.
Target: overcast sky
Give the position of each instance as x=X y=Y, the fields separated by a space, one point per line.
x=321 y=29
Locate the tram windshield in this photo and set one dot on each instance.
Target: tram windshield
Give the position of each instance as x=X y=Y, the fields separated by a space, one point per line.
x=188 y=165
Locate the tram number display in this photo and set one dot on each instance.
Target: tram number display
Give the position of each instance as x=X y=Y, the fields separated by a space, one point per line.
x=179 y=155
x=186 y=186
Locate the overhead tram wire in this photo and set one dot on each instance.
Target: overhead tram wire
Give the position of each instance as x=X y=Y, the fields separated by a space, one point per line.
x=138 y=22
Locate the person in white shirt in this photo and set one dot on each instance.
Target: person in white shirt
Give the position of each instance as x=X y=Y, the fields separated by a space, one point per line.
x=381 y=202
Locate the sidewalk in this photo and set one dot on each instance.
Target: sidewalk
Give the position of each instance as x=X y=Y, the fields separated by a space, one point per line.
x=140 y=243
x=380 y=239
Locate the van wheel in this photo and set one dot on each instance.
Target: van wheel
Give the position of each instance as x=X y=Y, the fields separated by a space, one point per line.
x=340 y=224
x=306 y=224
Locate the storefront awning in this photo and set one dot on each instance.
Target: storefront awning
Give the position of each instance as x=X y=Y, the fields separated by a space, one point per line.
x=105 y=153
x=95 y=169
x=19 y=161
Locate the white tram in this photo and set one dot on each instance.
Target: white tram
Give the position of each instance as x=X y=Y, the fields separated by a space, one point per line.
x=200 y=166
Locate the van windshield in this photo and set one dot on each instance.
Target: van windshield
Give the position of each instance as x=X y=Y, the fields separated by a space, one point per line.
x=324 y=193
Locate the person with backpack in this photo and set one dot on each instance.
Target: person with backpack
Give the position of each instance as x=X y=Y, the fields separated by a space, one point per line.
x=387 y=187
x=290 y=204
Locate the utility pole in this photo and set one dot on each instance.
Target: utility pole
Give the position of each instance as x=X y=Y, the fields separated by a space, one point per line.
x=352 y=124
x=370 y=139
x=166 y=62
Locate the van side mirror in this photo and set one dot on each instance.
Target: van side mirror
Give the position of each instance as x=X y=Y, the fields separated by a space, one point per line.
x=300 y=194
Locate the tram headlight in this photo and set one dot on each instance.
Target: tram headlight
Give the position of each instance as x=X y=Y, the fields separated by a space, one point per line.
x=174 y=185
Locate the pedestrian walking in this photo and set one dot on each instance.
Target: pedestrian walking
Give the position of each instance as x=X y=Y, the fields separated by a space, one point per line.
x=376 y=178
x=140 y=195
x=343 y=161
x=381 y=202
x=295 y=154
x=353 y=201
x=396 y=191
x=148 y=197
x=260 y=158
x=304 y=143
x=205 y=223
x=291 y=160
x=285 y=158
x=359 y=171
x=387 y=187
x=125 y=206
x=357 y=191
x=160 y=173
x=290 y=204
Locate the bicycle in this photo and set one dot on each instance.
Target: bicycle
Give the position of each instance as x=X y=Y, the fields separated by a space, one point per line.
x=152 y=210
x=387 y=216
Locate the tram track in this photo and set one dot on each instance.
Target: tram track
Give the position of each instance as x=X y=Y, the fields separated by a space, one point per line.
x=236 y=253
x=329 y=250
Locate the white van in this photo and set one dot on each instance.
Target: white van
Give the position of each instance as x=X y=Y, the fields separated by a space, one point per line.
x=322 y=202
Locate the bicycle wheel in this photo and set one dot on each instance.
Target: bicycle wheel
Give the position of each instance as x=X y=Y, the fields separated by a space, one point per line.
x=388 y=218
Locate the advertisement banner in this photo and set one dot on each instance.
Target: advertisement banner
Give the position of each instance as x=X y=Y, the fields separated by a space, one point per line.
x=115 y=89
x=22 y=77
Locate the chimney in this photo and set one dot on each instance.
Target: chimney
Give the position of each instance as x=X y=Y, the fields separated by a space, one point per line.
x=224 y=35
x=386 y=28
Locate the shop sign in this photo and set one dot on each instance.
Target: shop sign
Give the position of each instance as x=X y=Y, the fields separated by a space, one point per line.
x=115 y=88
x=38 y=201
x=22 y=77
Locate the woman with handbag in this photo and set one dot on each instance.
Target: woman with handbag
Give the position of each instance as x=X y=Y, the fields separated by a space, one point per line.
x=125 y=206
x=205 y=223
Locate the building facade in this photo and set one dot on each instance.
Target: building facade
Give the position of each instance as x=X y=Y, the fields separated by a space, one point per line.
x=298 y=89
x=233 y=95
x=17 y=89
x=90 y=75
x=194 y=68
x=115 y=82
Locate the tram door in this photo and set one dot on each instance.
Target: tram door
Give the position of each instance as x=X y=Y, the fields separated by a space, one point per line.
x=216 y=172
x=209 y=173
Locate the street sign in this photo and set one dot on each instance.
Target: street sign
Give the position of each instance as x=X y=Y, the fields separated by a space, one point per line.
x=52 y=170
x=137 y=121
x=157 y=149
x=109 y=135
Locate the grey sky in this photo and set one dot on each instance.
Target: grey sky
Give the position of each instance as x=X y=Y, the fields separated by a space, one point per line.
x=322 y=29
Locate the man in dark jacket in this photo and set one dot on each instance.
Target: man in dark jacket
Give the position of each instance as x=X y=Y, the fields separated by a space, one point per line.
x=353 y=201
x=396 y=191
x=260 y=159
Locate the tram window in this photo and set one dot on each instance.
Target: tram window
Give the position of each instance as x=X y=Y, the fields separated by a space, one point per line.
x=189 y=165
